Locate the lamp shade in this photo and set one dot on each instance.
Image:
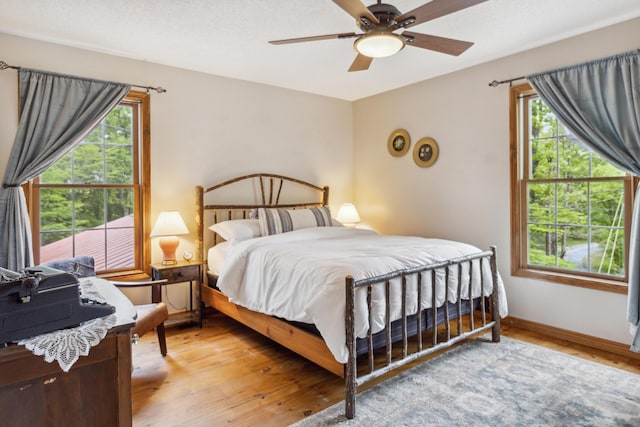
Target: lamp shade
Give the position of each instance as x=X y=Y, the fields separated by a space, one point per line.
x=169 y=223
x=379 y=44
x=348 y=214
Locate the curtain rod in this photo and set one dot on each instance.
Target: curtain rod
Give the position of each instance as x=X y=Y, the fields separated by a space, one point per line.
x=158 y=89
x=496 y=83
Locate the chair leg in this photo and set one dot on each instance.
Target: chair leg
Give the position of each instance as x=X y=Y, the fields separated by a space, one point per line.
x=161 y=339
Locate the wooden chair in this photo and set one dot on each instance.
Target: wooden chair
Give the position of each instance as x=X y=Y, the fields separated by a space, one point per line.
x=149 y=316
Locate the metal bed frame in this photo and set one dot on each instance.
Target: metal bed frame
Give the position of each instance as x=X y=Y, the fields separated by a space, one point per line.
x=481 y=316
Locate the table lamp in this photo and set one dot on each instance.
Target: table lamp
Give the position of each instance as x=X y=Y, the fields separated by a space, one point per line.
x=168 y=226
x=348 y=215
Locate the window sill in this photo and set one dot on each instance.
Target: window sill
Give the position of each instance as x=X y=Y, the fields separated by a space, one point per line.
x=597 y=283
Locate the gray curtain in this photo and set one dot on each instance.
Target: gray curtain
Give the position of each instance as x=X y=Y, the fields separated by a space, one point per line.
x=56 y=112
x=599 y=102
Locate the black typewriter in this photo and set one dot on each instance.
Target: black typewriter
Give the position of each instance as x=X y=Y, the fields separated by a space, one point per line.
x=33 y=303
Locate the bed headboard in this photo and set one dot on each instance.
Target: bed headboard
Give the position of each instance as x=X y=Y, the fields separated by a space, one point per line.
x=237 y=197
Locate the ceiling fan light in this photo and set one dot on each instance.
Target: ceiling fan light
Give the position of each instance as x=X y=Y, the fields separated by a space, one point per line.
x=379 y=44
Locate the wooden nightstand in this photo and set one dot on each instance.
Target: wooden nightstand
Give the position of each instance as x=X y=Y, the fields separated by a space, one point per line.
x=181 y=272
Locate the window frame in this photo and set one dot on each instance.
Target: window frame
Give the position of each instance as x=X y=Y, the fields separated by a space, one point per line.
x=519 y=264
x=141 y=186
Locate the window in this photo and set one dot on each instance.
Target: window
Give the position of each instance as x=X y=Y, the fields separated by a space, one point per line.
x=570 y=209
x=95 y=200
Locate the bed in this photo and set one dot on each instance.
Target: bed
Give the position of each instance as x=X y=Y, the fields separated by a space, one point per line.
x=279 y=263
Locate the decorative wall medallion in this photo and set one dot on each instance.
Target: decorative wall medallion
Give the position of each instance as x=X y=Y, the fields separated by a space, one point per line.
x=425 y=152
x=398 y=143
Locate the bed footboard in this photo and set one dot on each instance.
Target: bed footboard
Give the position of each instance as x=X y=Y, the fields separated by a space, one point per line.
x=485 y=317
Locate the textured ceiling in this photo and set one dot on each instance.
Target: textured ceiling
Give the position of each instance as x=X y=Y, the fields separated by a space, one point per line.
x=229 y=37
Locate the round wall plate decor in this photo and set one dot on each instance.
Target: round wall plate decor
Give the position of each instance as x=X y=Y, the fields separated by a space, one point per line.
x=398 y=143
x=425 y=152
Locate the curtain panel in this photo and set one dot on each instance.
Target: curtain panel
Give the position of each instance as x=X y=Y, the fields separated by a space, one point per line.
x=599 y=102
x=56 y=113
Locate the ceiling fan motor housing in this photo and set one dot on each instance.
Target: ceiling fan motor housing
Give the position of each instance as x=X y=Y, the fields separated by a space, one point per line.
x=386 y=14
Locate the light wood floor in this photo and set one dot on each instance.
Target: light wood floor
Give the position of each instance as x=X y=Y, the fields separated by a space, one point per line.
x=227 y=375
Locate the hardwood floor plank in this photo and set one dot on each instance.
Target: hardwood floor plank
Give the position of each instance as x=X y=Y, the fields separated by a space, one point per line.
x=228 y=375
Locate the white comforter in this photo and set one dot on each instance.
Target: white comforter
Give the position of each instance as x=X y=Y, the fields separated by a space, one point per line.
x=300 y=276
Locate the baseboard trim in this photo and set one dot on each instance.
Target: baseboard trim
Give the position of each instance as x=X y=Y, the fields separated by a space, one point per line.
x=572 y=336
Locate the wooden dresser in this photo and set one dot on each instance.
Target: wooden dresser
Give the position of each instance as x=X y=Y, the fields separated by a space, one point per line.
x=95 y=392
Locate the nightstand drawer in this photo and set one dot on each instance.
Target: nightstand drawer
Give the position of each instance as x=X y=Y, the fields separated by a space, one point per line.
x=179 y=274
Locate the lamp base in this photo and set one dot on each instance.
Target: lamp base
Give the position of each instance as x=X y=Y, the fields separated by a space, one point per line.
x=169 y=244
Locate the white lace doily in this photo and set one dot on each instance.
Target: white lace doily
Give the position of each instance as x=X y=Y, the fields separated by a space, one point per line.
x=67 y=345
x=88 y=290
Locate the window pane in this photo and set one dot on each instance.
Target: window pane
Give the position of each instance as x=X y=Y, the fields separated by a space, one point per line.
x=542 y=206
x=120 y=229
x=119 y=167
x=89 y=208
x=607 y=204
x=88 y=164
x=562 y=131
x=56 y=206
x=91 y=243
x=96 y=135
x=118 y=126
x=55 y=245
x=544 y=158
x=542 y=122
x=119 y=203
x=59 y=172
x=608 y=251
x=120 y=246
x=542 y=245
x=601 y=168
x=575 y=161
x=575 y=249
x=573 y=201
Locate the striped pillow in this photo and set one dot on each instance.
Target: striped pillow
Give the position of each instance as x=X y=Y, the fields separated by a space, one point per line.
x=275 y=220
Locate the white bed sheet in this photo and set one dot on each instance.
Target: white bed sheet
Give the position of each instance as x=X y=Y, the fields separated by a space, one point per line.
x=216 y=257
x=300 y=276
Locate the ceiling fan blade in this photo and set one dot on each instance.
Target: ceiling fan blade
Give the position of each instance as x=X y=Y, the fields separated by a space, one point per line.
x=361 y=63
x=439 y=44
x=314 y=38
x=356 y=9
x=435 y=9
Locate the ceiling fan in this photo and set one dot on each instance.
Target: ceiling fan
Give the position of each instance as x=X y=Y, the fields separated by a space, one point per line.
x=379 y=22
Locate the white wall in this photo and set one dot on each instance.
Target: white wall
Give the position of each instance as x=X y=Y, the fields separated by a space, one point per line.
x=465 y=195
x=204 y=129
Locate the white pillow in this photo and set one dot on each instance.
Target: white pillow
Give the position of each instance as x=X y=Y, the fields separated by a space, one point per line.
x=237 y=230
x=275 y=220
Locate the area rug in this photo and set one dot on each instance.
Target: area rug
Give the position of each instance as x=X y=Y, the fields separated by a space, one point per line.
x=510 y=383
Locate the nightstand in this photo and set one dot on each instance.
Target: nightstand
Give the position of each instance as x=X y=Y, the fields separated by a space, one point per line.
x=181 y=272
